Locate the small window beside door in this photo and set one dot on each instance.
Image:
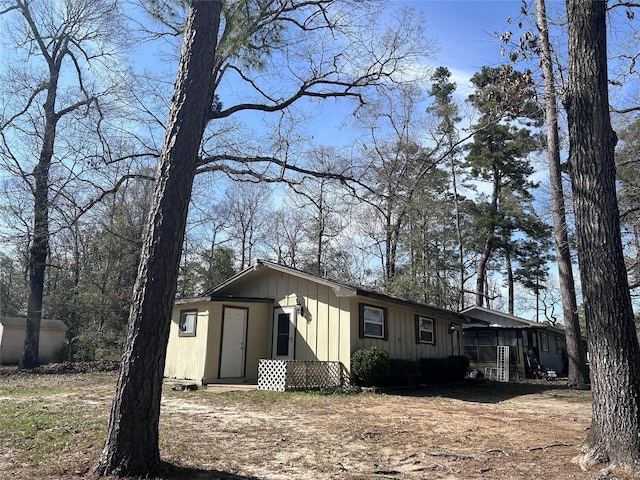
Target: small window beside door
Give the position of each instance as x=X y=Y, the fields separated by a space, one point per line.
x=282 y=335
x=188 y=321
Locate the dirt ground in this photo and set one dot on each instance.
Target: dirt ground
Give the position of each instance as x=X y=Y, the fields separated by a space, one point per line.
x=484 y=430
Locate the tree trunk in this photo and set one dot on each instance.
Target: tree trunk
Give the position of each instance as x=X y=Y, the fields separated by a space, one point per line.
x=613 y=344
x=481 y=267
x=456 y=203
x=577 y=374
x=40 y=242
x=132 y=443
x=482 y=271
x=510 y=281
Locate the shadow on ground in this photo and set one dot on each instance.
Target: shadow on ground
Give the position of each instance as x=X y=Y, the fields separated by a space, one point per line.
x=483 y=391
x=176 y=472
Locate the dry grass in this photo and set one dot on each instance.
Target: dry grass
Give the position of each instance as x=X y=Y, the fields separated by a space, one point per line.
x=52 y=427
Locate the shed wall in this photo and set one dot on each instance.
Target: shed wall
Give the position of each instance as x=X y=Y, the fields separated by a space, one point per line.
x=12 y=343
x=186 y=356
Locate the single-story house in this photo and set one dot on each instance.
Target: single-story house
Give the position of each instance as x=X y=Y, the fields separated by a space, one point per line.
x=12 y=336
x=531 y=344
x=270 y=311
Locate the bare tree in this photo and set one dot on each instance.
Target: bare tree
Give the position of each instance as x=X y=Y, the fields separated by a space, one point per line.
x=323 y=204
x=247 y=206
x=65 y=48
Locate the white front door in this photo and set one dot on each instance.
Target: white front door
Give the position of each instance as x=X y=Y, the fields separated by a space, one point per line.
x=284 y=333
x=234 y=334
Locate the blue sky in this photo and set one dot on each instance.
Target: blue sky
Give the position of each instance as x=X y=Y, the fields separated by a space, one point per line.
x=464 y=31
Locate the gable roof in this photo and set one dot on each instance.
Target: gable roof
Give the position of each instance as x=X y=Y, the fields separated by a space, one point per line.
x=495 y=318
x=340 y=289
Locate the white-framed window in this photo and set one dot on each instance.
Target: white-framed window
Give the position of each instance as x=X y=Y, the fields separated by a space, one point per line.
x=425 y=329
x=373 y=321
x=188 y=321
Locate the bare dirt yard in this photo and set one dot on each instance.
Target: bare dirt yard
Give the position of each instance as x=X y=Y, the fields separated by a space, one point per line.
x=52 y=427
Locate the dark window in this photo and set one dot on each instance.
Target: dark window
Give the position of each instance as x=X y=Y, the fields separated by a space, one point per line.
x=544 y=342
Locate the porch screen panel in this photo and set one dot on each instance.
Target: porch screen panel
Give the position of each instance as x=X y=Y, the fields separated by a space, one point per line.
x=487 y=342
x=470 y=345
x=510 y=339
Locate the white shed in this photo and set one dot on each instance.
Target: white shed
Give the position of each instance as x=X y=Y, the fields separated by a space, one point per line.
x=12 y=336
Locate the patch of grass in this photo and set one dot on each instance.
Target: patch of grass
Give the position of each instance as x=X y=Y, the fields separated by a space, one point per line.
x=37 y=431
x=47 y=428
x=20 y=422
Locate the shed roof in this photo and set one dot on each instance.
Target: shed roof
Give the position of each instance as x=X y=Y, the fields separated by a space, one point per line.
x=340 y=289
x=22 y=322
x=498 y=319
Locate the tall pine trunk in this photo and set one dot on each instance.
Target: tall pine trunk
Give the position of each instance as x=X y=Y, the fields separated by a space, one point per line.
x=613 y=344
x=510 y=282
x=132 y=443
x=577 y=375
x=456 y=204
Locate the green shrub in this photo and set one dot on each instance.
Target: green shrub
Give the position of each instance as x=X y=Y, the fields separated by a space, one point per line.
x=443 y=370
x=370 y=367
x=403 y=372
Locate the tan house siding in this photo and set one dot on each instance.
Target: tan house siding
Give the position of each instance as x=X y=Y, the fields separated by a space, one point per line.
x=326 y=324
x=198 y=358
x=401 y=323
x=11 y=344
x=323 y=332
x=259 y=334
x=186 y=356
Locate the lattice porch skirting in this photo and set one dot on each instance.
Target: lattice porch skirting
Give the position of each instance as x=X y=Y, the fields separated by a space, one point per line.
x=284 y=375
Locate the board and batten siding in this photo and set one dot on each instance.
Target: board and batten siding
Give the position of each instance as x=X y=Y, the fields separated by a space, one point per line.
x=198 y=357
x=401 y=336
x=186 y=356
x=256 y=341
x=322 y=332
